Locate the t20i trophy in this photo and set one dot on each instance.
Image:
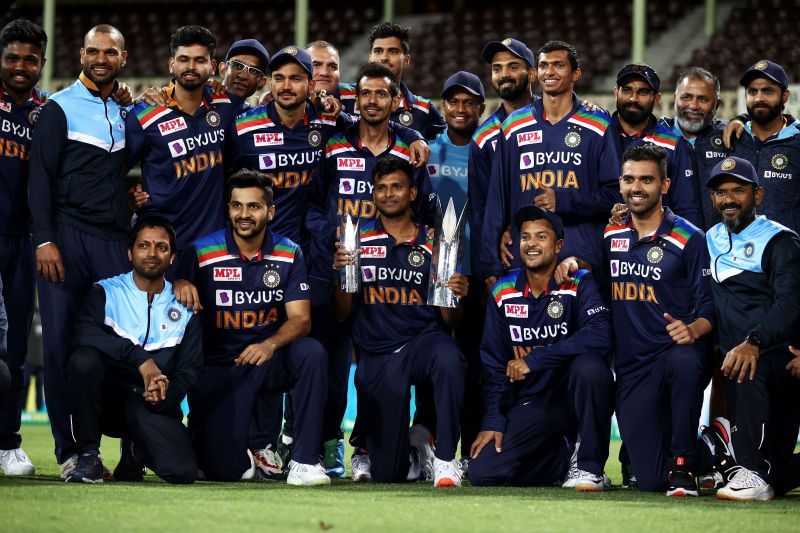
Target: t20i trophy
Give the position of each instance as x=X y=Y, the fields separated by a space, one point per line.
x=448 y=251
x=350 y=275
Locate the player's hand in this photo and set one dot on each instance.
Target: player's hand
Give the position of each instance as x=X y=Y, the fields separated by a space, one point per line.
x=155 y=383
x=679 y=331
x=217 y=88
x=793 y=367
x=420 y=153
x=565 y=269
x=505 y=249
x=256 y=354
x=734 y=128
x=49 y=264
x=591 y=106
x=327 y=104
x=546 y=199
x=517 y=370
x=137 y=197
x=484 y=438
x=186 y=293
x=342 y=257
x=618 y=214
x=123 y=95
x=265 y=98
x=459 y=284
x=740 y=361
x=489 y=283
x=153 y=96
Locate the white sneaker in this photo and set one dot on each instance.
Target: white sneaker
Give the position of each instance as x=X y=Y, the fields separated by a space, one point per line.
x=746 y=485
x=304 y=474
x=268 y=463
x=69 y=465
x=360 y=466
x=446 y=473
x=421 y=441
x=16 y=463
x=250 y=473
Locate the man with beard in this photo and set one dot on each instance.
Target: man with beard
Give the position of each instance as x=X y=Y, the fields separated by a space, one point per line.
x=136 y=351
x=756 y=286
x=22 y=44
x=79 y=210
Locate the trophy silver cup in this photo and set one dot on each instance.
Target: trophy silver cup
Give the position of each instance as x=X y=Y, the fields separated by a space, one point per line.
x=350 y=275
x=448 y=251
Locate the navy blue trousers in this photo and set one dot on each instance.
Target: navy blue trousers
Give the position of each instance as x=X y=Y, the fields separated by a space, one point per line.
x=658 y=410
x=384 y=381
x=5 y=382
x=86 y=259
x=591 y=390
x=16 y=269
x=221 y=407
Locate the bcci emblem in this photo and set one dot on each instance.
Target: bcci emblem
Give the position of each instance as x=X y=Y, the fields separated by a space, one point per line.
x=506 y=41
x=291 y=50
x=173 y=314
x=314 y=138
x=212 y=118
x=572 y=139
x=415 y=258
x=271 y=279
x=555 y=309
x=123 y=113
x=728 y=164
x=655 y=254
x=406 y=118
x=33 y=116
x=749 y=249
x=716 y=141
x=779 y=161
x=761 y=65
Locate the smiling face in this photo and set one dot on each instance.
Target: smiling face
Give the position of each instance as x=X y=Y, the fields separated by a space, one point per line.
x=240 y=77
x=102 y=57
x=555 y=73
x=389 y=51
x=151 y=254
x=642 y=186
x=462 y=110
x=249 y=213
x=192 y=66
x=695 y=104
x=375 y=101
x=538 y=245
x=325 y=61
x=290 y=86
x=21 y=67
x=736 y=201
x=511 y=76
x=635 y=100
x=393 y=194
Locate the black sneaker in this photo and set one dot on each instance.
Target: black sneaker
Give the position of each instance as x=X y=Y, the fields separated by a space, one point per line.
x=718 y=434
x=284 y=450
x=681 y=478
x=628 y=477
x=130 y=467
x=89 y=469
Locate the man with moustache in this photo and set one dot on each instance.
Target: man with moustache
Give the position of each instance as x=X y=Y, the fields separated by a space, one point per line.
x=79 y=210
x=136 y=351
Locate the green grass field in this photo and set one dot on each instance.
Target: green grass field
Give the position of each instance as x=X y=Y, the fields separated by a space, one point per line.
x=44 y=503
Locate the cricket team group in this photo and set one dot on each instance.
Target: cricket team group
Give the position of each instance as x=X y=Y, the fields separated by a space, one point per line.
x=613 y=263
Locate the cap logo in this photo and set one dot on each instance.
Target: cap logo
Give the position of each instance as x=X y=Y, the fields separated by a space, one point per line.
x=506 y=41
x=291 y=50
x=728 y=164
x=761 y=65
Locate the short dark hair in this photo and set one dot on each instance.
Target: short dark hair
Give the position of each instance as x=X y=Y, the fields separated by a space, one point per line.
x=246 y=178
x=648 y=152
x=107 y=29
x=152 y=221
x=555 y=46
x=378 y=70
x=388 y=164
x=23 y=31
x=699 y=73
x=192 y=34
x=321 y=44
x=390 y=29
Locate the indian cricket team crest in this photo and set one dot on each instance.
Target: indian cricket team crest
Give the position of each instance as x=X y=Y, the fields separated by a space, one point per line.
x=33 y=116
x=212 y=118
x=271 y=279
x=291 y=50
x=779 y=161
x=555 y=309
x=406 y=118
x=716 y=141
x=506 y=41
x=173 y=314
x=749 y=249
x=728 y=164
x=314 y=138
x=761 y=65
x=123 y=113
x=655 y=254
x=415 y=258
x=572 y=139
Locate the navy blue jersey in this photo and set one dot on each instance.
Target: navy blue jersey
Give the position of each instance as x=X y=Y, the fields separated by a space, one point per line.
x=392 y=307
x=16 y=132
x=244 y=302
x=547 y=331
x=181 y=153
x=574 y=157
x=667 y=272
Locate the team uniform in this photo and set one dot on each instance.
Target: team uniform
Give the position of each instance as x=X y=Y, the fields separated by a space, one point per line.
x=561 y=334
x=244 y=302
x=78 y=200
x=575 y=157
x=659 y=383
x=5 y=375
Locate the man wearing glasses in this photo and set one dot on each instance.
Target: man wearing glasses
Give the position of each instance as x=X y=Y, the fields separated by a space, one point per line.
x=244 y=70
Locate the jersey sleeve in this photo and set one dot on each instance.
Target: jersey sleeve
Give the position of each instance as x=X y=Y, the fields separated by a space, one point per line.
x=47 y=147
x=698 y=266
x=779 y=324
x=495 y=354
x=135 y=141
x=187 y=267
x=297 y=285
x=436 y=123
x=424 y=204
x=495 y=215
x=188 y=361
x=408 y=135
x=684 y=194
x=479 y=166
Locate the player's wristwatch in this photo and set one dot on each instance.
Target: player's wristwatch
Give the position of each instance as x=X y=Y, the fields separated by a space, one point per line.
x=754 y=339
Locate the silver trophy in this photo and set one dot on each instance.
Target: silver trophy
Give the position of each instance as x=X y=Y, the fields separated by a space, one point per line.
x=448 y=251
x=350 y=275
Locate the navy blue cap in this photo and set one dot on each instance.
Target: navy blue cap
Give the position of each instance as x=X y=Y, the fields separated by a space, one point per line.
x=512 y=46
x=295 y=54
x=641 y=71
x=534 y=212
x=250 y=46
x=733 y=166
x=766 y=69
x=465 y=80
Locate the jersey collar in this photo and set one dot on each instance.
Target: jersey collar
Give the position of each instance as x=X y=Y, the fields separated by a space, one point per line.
x=522 y=285
x=648 y=129
x=233 y=248
x=171 y=102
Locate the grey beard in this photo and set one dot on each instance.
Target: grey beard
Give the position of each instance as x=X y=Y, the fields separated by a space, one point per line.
x=693 y=125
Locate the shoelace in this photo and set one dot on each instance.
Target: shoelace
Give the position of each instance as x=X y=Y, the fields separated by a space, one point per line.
x=20 y=456
x=744 y=478
x=453 y=467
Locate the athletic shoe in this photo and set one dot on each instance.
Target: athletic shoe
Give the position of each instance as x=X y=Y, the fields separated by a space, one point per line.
x=309 y=475
x=581 y=479
x=681 y=479
x=333 y=457
x=628 y=477
x=723 y=448
x=129 y=468
x=16 y=463
x=268 y=464
x=250 y=473
x=464 y=466
x=360 y=466
x=421 y=442
x=446 y=473
x=572 y=473
x=712 y=480
x=68 y=466
x=88 y=469
x=745 y=485
x=284 y=450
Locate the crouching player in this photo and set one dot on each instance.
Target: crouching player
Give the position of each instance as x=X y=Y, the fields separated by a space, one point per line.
x=251 y=284
x=535 y=331
x=136 y=352
x=400 y=340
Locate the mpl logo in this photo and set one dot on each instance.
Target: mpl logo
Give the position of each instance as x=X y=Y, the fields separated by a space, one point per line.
x=268 y=139
x=368 y=273
x=375 y=252
x=5 y=106
x=433 y=170
x=516 y=310
x=614 y=264
x=266 y=161
x=224 y=298
x=620 y=245
x=351 y=163
x=171 y=126
x=529 y=137
x=177 y=148
x=227 y=273
x=526 y=160
x=516 y=333
x=347 y=185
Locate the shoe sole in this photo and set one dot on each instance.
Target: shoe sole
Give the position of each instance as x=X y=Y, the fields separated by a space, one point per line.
x=585 y=487
x=315 y=483
x=447 y=482
x=84 y=480
x=25 y=473
x=759 y=497
x=707 y=484
x=336 y=473
x=362 y=479
x=682 y=493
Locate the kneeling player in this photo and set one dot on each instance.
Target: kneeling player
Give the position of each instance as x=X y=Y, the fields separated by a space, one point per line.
x=535 y=331
x=402 y=341
x=252 y=286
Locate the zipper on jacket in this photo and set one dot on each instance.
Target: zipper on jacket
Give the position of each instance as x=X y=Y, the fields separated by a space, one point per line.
x=110 y=126
x=149 y=307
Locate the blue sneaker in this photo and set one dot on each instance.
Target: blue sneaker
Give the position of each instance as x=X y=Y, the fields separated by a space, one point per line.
x=333 y=458
x=89 y=469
